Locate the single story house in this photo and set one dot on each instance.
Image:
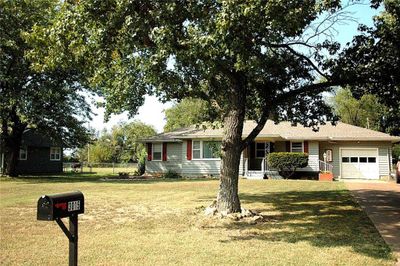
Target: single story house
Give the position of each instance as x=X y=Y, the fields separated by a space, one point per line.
x=38 y=154
x=347 y=151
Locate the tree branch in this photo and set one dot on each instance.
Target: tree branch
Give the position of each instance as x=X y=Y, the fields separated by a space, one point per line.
x=260 y=125
x=287 y=46
x=315 y=87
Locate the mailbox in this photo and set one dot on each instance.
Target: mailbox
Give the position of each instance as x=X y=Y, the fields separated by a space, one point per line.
x=52 y=207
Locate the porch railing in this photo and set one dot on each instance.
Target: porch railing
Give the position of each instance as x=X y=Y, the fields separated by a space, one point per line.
x=325 y=167
x=263 y=169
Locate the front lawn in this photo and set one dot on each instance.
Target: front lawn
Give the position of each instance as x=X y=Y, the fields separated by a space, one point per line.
x=161 y=222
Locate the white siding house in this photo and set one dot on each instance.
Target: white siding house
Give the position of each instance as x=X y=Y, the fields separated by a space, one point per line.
x=348 y=151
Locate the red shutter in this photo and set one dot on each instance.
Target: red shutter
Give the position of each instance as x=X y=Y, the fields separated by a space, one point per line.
x=306 y=146
x=164 y=151
x=149 y=151
x=287 y=146
x=189 y=149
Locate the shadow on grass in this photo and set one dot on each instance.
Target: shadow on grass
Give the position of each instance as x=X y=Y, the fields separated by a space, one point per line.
x=95 y=178
x=322 y=218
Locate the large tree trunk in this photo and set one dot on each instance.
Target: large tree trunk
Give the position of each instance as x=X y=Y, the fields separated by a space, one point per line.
x=228 y=198
x=12 y=159
x=12 y=142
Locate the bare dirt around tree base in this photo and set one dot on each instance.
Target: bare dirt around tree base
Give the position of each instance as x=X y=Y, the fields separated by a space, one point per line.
x=246 y=215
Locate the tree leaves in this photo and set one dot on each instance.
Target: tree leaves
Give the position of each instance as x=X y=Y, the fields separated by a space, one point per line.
x=372 y=61
x=49 y=101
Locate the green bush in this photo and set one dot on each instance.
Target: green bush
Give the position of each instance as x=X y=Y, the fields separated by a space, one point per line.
x=286 y=163
x=141 y=167
x=171 y=174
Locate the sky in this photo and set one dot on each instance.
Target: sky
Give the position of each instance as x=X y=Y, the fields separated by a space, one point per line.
x=152 y=112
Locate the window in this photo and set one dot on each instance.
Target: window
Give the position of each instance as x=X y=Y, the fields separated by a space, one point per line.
x=354 y=159
x=359 y=159
x=297 y=146
x=55 y=153
x=262 y=149
x=157 y=151
x=196 y=150
x=363 y=159
x=210 y=149
x=206 y=149
x=329 y=156
x=23 y=154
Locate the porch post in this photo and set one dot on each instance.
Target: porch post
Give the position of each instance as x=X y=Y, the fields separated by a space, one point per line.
x=246 y=166
x=263 y=165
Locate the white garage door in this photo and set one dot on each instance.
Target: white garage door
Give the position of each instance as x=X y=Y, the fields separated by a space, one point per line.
x=360 y=163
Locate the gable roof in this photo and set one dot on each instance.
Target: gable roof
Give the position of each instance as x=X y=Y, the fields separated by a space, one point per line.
x=34 y=138
x=283 y=131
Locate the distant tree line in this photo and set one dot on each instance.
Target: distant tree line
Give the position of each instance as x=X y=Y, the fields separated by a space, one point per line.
x=119 y=145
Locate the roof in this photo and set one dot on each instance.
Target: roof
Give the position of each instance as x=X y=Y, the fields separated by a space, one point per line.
x=284 y=131
x=34 y=138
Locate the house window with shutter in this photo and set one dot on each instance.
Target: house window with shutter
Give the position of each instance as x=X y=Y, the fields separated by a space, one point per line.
x=196 y=150
x=297 y=146
x=157 y=151
x=55 y=154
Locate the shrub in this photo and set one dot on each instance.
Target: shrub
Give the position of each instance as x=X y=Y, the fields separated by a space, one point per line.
x=286 y=163
x=141 y=165
x=123 y=175
x=171 y=174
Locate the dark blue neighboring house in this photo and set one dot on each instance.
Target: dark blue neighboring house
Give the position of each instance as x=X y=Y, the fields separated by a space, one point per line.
x=39 y=154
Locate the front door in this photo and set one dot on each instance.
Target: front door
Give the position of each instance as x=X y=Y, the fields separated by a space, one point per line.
x=257 y=153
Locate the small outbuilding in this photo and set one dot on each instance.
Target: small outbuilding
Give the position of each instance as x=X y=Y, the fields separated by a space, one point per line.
x=39 y=154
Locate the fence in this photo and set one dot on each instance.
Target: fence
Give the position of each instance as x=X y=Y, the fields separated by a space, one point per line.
x=100 y=168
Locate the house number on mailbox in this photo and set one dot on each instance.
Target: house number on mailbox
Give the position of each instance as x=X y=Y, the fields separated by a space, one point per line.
x=74 y=205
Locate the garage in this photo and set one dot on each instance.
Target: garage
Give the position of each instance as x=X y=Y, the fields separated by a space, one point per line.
x=359 y=163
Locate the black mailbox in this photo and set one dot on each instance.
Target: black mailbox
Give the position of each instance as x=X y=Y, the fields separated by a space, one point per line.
x=52 y=207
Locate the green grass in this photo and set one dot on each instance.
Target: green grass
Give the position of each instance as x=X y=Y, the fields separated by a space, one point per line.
x=160 y=222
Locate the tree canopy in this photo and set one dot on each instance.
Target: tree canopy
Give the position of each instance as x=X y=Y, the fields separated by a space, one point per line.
x=257 y=59
x=365 y=112
x=188 y=112
x=372 y=61
x=49 y=101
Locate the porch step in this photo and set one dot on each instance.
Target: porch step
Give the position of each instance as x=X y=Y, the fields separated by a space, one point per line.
x=254 y=175
x=260 y=174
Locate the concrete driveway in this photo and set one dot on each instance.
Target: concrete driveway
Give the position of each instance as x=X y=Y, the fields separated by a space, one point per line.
x=381 y=201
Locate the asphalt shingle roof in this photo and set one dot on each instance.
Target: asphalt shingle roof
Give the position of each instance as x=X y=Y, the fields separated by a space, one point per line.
x=283 y=130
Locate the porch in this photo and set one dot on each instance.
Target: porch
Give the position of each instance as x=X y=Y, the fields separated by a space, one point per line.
x=254 y=164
